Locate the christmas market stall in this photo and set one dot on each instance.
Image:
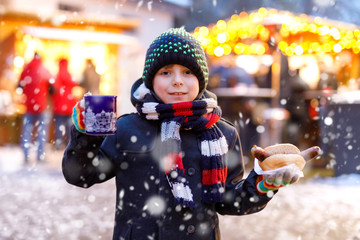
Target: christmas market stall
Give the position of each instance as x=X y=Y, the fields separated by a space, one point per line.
x=305 y=80
x=79 y=39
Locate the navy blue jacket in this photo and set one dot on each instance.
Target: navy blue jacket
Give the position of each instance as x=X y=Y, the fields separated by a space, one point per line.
x=145 y=206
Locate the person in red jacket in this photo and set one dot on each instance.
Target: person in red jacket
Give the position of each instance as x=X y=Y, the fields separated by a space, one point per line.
x=35 y=84
x=63 y=102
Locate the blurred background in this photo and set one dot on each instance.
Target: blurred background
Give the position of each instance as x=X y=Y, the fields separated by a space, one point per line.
x=283 y=71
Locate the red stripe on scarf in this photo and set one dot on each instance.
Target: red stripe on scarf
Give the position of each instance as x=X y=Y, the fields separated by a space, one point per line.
x=212 y=118
x=213 y=176
x=173 y=161
x=182 y=109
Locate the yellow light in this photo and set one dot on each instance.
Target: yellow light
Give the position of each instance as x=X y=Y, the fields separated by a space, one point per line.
x=19 y=62
x=298 y=50
x=293 y=45
x=234 y=17
x=312 y=28
x=349 y=34
x=284 y=32
x=221 y=24
x=304 y=27
x=352 y=43
x=210 y=50
x=203 y=31
x=264 y=35
x=337 y=48
x=196 y=34
x=227 y=49
x=261 y=50
x=327 y=47
x=27 y=38
x=105 y=87
x=324 y=30
x=204 y=41
x=253 y=48
x=219 y=51
x=221 y=38
x=334 y=32
x=262 y=11
x=289 y=51
x=239 y=48
x=101 y=68
x=315 y=46
x=282 y=45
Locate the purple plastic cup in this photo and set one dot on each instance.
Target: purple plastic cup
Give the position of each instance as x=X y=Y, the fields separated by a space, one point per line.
x=100 y=114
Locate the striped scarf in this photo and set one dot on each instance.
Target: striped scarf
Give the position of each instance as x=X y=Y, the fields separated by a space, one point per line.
x=199 y=116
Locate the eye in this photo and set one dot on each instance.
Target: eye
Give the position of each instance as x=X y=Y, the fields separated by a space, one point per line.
x=188 y=72
x=164 y=72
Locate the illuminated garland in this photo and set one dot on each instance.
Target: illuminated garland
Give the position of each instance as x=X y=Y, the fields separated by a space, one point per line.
x=250 y=34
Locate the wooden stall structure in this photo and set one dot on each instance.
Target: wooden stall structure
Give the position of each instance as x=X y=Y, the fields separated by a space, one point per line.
x=63 y=35
x=279 y=45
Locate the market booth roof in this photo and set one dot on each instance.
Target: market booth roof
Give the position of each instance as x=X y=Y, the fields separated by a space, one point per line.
x=255 y=33
x=69 y=20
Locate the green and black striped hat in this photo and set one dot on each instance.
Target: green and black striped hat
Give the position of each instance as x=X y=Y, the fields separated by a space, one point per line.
x=176 y=46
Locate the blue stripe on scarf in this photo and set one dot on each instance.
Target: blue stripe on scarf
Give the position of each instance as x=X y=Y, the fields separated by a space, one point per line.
x=212 y=194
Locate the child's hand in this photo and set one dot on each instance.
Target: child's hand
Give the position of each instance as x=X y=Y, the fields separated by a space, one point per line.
x=277 y=180
x=78 y=116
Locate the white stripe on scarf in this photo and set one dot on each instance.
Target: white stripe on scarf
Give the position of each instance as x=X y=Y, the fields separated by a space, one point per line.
x=214 y=147
x=182 y=191
x=150 y=110
x=141 y=91
x=211 y=104
x=170 y=130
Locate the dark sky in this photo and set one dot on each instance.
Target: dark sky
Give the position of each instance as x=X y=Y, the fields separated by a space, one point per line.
x=204 y=12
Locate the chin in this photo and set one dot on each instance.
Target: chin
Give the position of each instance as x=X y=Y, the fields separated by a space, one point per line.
x=177 y=99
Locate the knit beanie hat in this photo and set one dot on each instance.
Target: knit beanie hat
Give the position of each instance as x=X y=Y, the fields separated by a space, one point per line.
x=176 y=46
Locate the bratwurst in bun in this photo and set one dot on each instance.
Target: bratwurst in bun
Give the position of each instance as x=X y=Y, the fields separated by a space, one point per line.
x=279 y=155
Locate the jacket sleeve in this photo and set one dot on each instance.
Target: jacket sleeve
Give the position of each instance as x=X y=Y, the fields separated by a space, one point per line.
x=84 y=163
x=241 y=196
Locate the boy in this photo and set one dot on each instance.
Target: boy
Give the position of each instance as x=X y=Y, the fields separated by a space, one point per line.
x=177 y=163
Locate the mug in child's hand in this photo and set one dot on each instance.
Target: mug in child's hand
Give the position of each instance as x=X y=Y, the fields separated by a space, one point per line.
x=100 y=114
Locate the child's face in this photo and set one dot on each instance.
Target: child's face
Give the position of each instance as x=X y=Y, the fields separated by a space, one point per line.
x=175 y=83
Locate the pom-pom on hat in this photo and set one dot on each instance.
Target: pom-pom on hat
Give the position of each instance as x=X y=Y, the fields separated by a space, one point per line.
x=176 y=46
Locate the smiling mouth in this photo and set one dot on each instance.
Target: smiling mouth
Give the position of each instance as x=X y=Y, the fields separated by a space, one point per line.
x=177 y=93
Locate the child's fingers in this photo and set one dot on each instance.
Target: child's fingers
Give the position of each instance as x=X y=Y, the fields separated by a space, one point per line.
x=287 y=177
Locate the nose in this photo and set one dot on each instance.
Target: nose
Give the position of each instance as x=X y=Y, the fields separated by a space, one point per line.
x=177 y=79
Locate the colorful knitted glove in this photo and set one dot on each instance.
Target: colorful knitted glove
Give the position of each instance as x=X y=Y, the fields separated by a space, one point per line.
x=78 y=116
x=266 y=183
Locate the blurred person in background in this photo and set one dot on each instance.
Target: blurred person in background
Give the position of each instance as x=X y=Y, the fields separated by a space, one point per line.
x=238 y=110
x=35 y=84
x=293 y=92
x=90 y=79
x=63 y=102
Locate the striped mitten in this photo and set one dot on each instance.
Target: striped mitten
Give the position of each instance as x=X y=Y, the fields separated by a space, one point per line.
x=78 y=116
x=266 y=183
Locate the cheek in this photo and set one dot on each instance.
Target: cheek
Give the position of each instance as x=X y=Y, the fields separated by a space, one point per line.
x=194 y=89
x=158 y=85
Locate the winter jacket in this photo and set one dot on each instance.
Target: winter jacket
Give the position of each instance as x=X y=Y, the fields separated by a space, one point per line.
x=34 y=80
x=145 y=206
x=63 y=98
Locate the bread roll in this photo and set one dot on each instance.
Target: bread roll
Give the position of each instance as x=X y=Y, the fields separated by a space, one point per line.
x=279 y=160
x=282 y=148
